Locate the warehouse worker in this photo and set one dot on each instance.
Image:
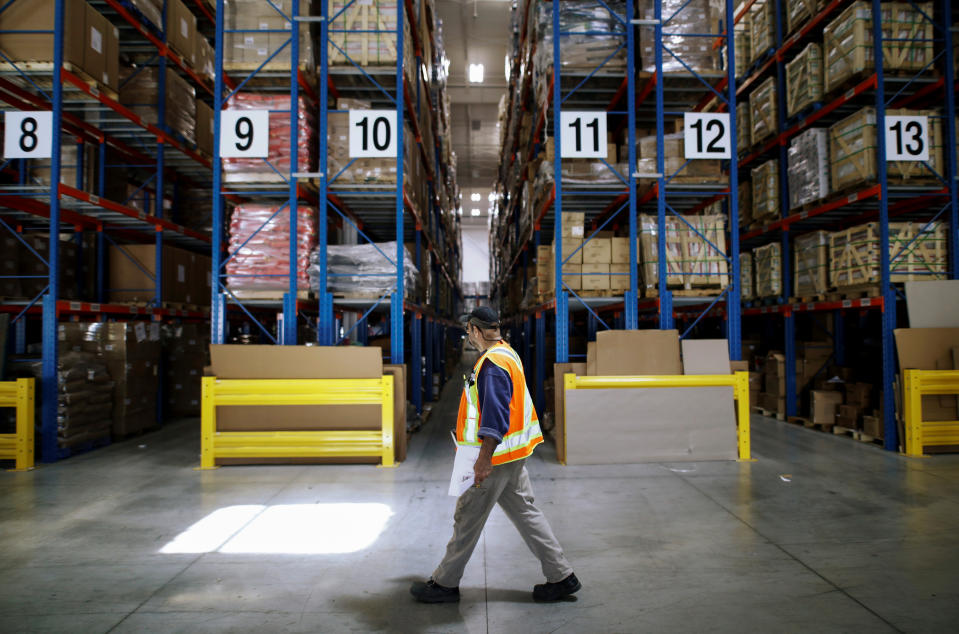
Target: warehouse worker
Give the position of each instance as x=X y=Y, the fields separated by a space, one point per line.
x=496 y=413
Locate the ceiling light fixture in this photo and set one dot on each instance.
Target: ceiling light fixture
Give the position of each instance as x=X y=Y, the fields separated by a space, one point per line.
x=475 y=197
x=476 y=73
x=474 y=211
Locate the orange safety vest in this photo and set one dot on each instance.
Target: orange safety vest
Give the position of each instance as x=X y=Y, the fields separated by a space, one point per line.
x=524 y=432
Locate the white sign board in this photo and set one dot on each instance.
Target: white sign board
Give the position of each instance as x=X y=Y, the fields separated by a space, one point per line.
x=245 y=133
x=907 y=138
x=373 y=133
x=707 y=135
x=583 y=134
x=28 y=135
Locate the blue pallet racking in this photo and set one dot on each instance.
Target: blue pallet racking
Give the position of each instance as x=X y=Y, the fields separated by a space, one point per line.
x=88 y=114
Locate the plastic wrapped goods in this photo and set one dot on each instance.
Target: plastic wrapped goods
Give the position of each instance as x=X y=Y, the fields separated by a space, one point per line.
x=746 y=287
x=808 y=167
x=255 y=170
x=804 y=82
x=694 y=17
x=769 y=270
x=765 y=200
x=139 y=92
x=262 y=261
x=811 y=264
x=582 y=49
x=363 y=269
x=764 y=111
x=691 y=260
x=798 y=12
x=353 y=38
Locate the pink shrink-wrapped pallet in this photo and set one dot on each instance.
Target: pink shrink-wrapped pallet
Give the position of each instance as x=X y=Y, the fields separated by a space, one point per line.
x=262 y=262
x=255 y=170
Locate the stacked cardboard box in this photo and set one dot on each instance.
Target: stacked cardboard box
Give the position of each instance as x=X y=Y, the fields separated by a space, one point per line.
x=765 y=184
x=811 y=264
x=812 y=359
x=695 y=252
x=363 y=45
x=204 y=127
x=773 y=397
x=808 y=171
x=185 y=276
x=804 y=80
x=140 y=93
x=676 y=165
x=185 y=353
x=858 y=399
x=768 y=264
x=246 y=49
x=823 y=406
x=91 y=44
x=365 y=170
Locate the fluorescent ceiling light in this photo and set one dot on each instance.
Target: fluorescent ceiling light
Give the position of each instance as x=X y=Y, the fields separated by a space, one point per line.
x=476 y=73
x=492 y=196
x=474 y=212
x=507 y=68
x=475 y=197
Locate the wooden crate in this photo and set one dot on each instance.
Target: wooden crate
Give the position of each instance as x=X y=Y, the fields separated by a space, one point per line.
x=691 y=261
x=745 y=204
x=847 y=41
x=742 y=42
x=804 y=81
x=768 y=264
x=744 y=129
x=762 y=29
x=811 y=264
x=702 y=171
x=747 y=289
x=362 y=44
x=798 y=12
x=765 y=185
x=917 y=251
x=763 y=111
x=853 y=151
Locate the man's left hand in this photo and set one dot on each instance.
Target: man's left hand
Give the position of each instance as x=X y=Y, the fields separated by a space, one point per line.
x=482 y=469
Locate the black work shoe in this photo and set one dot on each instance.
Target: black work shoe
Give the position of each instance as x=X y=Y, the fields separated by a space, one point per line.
x=544 y=592
x=432 y=592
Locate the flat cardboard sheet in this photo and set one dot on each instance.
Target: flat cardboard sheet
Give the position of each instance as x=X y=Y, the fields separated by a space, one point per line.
x=933 y=304
x=591 y=359
x=706 y=356
x=623 y=426
x=637 y=352
x=559 y=369
x=929 y=349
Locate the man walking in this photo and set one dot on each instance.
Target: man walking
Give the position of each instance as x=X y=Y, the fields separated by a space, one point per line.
x=496 y=414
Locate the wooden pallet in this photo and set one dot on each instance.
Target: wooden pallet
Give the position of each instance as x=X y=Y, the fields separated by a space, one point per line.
x=839 y=430
x=809 y=424
x=769 y=413
x=854 y=292
x=710 y=291
x=46 y=68
x=807 y=299
x=268 y=294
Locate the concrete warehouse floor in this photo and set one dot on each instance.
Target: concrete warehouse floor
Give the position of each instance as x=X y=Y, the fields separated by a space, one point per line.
x=820 y=534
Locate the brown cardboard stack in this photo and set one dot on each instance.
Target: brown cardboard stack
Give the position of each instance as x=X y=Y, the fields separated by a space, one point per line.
x=185 y=354
x=181 y=30
x=69 y=167
x=204 y=127
x=677 y=168
x=773 y=397
x=185 y=275
x=91 y=44
x=691 y=260
x=140 y=93
x=363 y=45
x=928 y=349
x=812 y=358
x=249 y=50
x=823 y=406
x=811 y=264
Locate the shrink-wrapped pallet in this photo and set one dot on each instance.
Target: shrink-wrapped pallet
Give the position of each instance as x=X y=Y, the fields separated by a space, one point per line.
x=247 y=49
x=744 y=128
x=676 y=165
x=853 y=151
x=761 y=23
x=764 y=111
x=768 y=265
x=364 y=270
x=811 y=264
x=765 y=184
x=260 y=247
x=804 y=82
x=798 y=12
x=747 y=289
x=695 y=251
x=848 y=43
x=745 y=204
x=140 y=93
x=256 y=170
x=691 y=18
x=917 y=252
x=743 y=44
x=808 y=161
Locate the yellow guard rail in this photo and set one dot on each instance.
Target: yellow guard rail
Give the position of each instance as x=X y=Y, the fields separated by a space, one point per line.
x=920 y=433
x=295 y=444
x=738 y=381
x=18 y=446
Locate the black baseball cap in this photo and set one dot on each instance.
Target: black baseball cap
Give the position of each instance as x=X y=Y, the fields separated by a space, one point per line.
x=483 y=316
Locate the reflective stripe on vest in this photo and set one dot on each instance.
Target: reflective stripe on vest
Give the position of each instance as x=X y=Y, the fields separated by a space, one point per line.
x=524 y=432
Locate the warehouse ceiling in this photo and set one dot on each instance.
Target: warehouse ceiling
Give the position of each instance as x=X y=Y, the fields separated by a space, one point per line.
x=475 y=33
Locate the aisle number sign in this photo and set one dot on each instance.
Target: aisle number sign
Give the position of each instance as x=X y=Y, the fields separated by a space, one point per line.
x=583 y=135
x=707 y=135
x=245 y=133
x=907 y=138
x=27 y=135
x=373 y=134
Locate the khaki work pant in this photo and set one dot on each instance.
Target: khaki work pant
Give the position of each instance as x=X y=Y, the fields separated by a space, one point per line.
x=509 y=486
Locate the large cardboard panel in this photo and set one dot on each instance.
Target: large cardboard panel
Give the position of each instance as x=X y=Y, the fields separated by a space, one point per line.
x=591 y=359
x=96 y=44
x=560 y=369
x=37 y=15
x=933 y=304
x=649 y=425
x=705 y=356
x=929 y=349
x=637 y=352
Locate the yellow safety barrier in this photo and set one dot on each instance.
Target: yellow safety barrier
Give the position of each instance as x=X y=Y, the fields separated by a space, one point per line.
x=739 y=381
x=295 y=444
x=19 y=445
x=920 y=433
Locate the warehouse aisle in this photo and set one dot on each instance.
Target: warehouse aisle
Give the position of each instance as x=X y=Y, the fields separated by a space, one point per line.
x=818 y=533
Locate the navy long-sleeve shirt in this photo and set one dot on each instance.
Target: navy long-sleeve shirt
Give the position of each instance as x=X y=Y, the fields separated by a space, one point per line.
x=495 y=390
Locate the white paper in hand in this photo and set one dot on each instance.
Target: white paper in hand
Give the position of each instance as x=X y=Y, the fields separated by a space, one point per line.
x=463 y=474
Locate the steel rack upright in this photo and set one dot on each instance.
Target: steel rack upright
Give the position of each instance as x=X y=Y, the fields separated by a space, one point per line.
x=87 y=113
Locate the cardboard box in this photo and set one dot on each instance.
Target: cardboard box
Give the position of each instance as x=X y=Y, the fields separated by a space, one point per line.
x=571 y=249
x=619 y=250
x=591 y=359
x=131 y=271
x=181 y=30
x=848 y=416
x=823 y=404
x=597 y=251
x=638 y=352
x=573 y=276
x=572 y=224
x=559 y=435
x=929 y=349
x=594 y=282
x=859 y=395
x=95 y=43
x=619 y=277
x=204 y=127
x=37 y=15
x=872 y=426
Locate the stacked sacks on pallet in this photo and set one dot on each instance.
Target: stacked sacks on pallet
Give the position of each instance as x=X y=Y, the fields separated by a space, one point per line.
x=260 y=247
x=364 y=270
